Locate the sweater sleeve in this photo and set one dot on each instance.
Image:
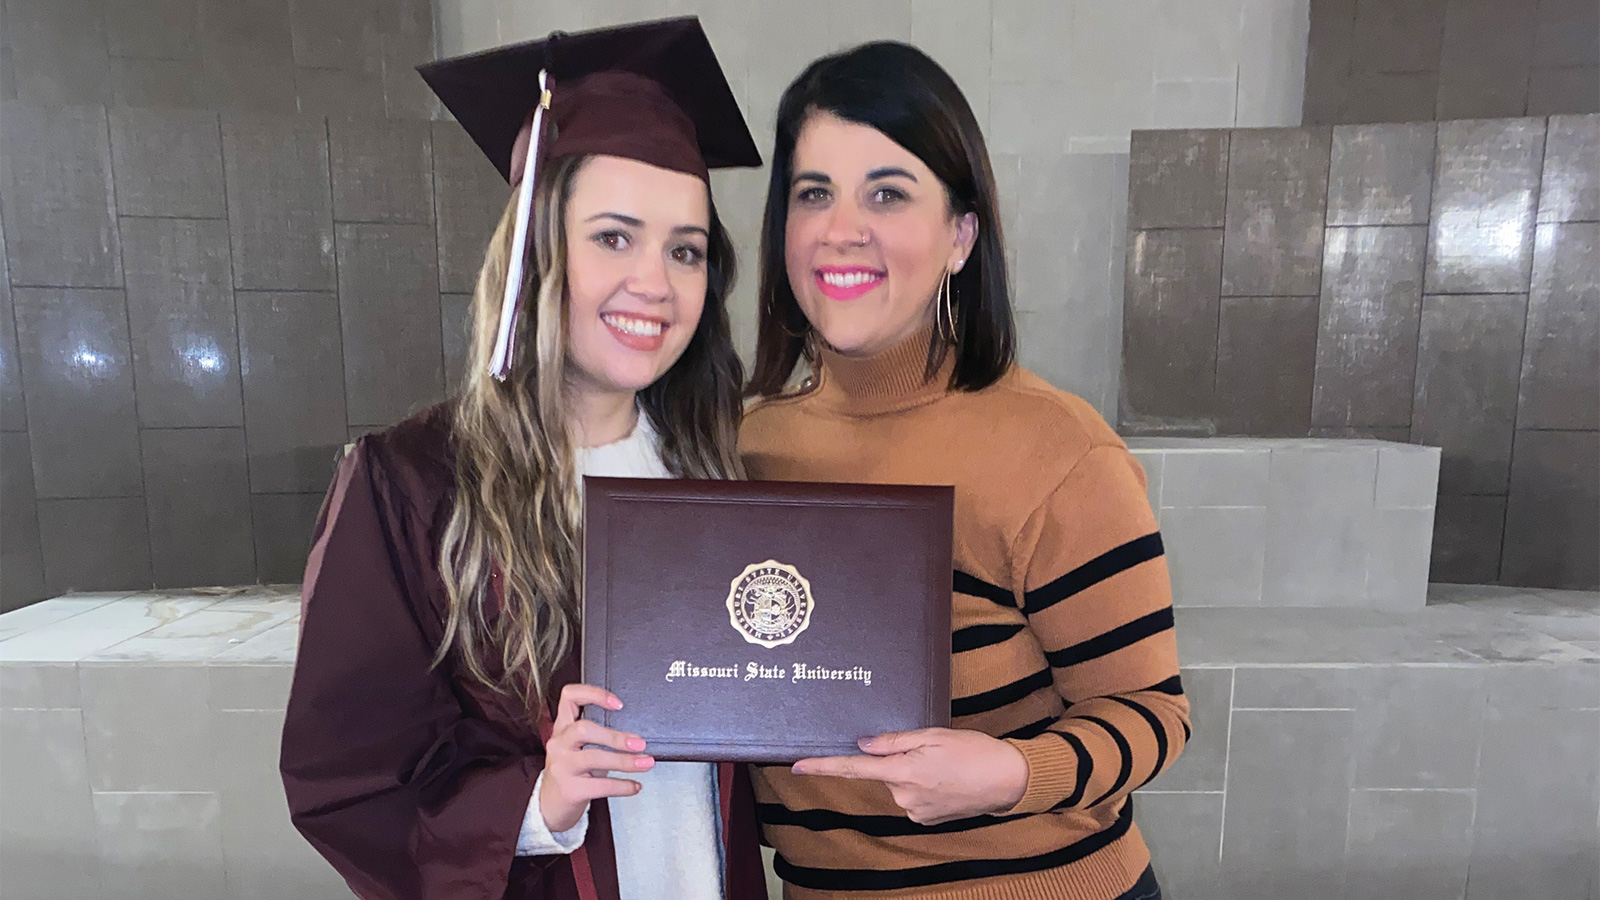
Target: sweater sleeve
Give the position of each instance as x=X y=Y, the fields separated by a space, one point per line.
x=1095 y=591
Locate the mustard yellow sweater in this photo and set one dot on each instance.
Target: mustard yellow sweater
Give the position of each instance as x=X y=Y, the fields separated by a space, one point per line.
x=1062 y=636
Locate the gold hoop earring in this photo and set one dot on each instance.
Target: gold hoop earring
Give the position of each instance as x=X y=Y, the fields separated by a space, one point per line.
x=945 y=312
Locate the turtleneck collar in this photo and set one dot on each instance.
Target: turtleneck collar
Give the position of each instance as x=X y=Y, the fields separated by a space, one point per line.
x=889 y=381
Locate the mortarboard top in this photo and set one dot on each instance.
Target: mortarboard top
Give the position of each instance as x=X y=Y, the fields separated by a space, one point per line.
x=607 y=88
x=652 y=91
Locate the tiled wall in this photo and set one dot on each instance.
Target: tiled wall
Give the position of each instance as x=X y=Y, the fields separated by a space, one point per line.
x=1410 y=60
x=1058 y=86
x=1432 y=283
x=200 y=305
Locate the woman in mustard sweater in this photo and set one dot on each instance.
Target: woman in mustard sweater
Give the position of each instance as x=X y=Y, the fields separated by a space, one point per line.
x=886 y=354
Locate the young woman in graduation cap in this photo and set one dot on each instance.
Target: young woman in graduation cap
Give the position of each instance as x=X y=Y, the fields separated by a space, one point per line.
x=884 y=271
x=434 y=747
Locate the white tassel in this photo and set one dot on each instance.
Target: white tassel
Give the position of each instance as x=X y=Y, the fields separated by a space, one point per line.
x=500 y=362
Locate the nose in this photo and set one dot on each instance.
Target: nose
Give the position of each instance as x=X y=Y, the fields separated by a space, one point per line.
x=648 y=280
x=846 y=226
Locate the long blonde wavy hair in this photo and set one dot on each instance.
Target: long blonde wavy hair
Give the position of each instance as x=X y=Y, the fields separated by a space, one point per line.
x=517 y=513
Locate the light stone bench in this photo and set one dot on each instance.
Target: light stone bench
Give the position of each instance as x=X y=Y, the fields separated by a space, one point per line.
x=1294 y=522
x=1337 y=752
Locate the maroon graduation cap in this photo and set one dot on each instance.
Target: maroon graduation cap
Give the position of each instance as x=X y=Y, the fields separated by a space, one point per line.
x=652 y=92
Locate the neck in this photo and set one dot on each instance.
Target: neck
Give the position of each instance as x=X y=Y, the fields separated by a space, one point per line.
x=602 y=417
x=895 y=378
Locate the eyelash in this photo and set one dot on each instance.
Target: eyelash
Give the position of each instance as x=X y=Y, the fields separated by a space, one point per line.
x=813 y=195
x=684 y=254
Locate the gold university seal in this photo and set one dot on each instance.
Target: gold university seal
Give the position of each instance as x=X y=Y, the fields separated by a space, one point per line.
x=770 y=603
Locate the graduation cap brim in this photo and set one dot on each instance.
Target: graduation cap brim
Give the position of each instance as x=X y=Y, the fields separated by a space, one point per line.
x=492 y=92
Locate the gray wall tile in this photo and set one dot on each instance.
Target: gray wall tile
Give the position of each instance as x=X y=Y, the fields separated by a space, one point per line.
x=339 y=93
x=1216 y=554
x=1563 y=34
x=382 y=171
x=78 y=366
x=48 y=818
x=265 y=856
x=94 y=545
x=1195 y=104
x=158 y=845
x=1233 y=477
x=406 y=95
x=168 y=162
x=1418 y=727
x=13 y=406
x=1412 y=844
x=1178 y=179
x=1468 y=363
x=283 y=528
x=1484 y=199
x=1288 y=797
x=1408 y=478
x=59 y=51
x=21 y=560
x=470 y=197
x=1571 y=687
x=1569 y=190
x=1371 y=307
x=1266 y=358
x=1468 y=531
x=1554 y=91
x=1484 y=63
x=1381 y=174
x=160 y=83
x=1277 y=196
x=1535 y=832
x=1317 y=527
x=42 y=685
x=1403 y=36
x=147 y=727
x=1553 y=513
x=1184 y=831
x=153 y=29
x=1561 y=353
x=294 y=399
x=1296 y=687
x=1204 y=763
x=1330 y=47
x=242 y=85
x=280 y=207
x=336 y=35
x=1170 y=324
x=389 y=312
x=1398 y=551
x=198 y=492
x=455 y=321
x=55 y=175
x=256 y=30
x=1391 y=96
x=180 y=309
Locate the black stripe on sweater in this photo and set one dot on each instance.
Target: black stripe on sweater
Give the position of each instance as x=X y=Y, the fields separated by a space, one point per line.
x=975 y=636
x=948 y=872
x=1003 y=695
x=1125 y=771
x=1091 y=573
x=1030 y=730
x=872 y=826
x=1118 y=638
x=1172 y=687
x=1155 y=726
x=974 y=586
x=1085 y=769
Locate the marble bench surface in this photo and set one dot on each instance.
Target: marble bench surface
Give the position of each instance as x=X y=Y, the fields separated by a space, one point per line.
x=259 y=625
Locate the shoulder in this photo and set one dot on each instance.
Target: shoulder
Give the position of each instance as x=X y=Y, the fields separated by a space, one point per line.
x=412 y=462
x=1050 y=429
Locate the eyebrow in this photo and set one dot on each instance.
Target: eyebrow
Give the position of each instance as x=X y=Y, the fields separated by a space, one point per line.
x=890 y=172
x=632 y=222
x=818 y=177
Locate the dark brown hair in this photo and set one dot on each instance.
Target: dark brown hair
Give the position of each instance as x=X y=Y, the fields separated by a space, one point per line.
x=900 y=91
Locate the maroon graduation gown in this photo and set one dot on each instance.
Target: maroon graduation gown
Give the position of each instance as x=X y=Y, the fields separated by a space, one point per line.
x=411 y=781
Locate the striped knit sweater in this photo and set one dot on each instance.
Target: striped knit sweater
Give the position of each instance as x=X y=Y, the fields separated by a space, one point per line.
x=1063 y=639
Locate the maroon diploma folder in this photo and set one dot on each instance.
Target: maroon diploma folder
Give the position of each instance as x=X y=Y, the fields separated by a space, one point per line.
x=766 y=621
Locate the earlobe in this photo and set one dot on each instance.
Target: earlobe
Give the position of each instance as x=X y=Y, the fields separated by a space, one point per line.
x=966 y=239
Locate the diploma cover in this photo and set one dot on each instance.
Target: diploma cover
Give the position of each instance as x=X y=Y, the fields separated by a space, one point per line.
x=766 y=621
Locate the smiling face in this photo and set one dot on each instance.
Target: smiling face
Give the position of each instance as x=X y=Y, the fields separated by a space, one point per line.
x=636 y=272
x=869 y=236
